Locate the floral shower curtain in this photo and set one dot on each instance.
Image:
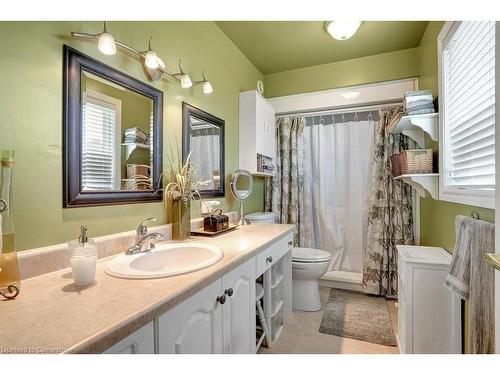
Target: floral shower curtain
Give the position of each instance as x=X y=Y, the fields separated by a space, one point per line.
x=390 y=217
x=286 y=191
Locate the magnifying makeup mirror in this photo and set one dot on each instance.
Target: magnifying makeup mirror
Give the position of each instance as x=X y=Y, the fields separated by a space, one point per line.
x=241 y=187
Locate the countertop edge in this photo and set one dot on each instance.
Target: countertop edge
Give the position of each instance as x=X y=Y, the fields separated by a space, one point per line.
x=102 y=341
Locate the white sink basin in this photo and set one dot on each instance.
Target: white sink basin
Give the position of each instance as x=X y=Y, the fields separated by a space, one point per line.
x=167 y=259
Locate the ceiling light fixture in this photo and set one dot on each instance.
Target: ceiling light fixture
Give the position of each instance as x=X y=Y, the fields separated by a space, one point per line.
x=106 y=42
x=342 y=30
x=349 y=95
x=154 y=65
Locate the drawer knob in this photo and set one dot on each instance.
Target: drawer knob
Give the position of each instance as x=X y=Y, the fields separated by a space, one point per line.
x=269 y=259
x=221 y=299
x=229 y=292
x=290 y=243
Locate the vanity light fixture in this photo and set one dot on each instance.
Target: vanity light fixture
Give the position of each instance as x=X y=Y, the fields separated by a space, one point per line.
x=150 y=57
x=185 y=79
x=342 y=30
x=106 y=42
x=207 y=86
x=154 y=65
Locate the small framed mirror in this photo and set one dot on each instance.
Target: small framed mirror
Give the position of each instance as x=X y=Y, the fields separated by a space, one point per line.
x=203 y=136
x=112 y=135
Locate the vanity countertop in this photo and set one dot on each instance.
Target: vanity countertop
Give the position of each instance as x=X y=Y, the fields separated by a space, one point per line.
x=52 y=315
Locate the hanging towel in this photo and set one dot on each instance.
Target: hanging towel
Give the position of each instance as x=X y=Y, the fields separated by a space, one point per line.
x=471 y=278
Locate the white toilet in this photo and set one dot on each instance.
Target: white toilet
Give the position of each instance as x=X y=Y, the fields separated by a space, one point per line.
x=261 y=218
x=308 y=265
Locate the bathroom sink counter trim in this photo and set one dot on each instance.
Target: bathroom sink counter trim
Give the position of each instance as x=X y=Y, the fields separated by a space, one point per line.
x=53 y=314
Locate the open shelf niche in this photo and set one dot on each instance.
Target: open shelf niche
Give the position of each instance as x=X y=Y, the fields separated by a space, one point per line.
x=422 y=183
x=415 y=126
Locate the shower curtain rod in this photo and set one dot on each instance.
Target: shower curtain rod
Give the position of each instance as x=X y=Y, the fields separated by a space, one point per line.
x=365 y=108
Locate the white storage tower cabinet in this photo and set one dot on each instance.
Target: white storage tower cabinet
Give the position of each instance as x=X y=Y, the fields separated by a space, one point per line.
x=256 y=132
x=429 y=313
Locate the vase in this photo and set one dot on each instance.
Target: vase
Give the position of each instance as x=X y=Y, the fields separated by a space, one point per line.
x=9 y=270
x=179 y=215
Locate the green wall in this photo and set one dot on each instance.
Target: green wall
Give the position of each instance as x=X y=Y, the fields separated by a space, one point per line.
x=370 y=69
x=31 y=114
x=437 y=218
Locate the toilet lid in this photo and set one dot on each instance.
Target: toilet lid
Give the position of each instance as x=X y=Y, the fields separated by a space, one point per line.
x=260 y=216
x=304 y=254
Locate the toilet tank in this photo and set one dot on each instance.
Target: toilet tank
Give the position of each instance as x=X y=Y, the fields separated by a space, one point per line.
x=261 y=218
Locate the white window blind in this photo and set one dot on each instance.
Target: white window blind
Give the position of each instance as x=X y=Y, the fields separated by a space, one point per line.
x=468 y=67
x=100 y=148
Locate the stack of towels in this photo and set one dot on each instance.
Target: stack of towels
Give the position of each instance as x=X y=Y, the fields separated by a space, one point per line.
x=418 y=102
x=136 y=135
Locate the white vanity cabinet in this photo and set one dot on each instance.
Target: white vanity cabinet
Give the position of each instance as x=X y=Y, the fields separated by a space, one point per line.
x=429 y=313
x=256 y=130
x=221 y=318
x=139 y=342
x=217 y=319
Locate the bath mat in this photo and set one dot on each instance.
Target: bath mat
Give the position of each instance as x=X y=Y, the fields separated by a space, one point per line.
x=358 y=316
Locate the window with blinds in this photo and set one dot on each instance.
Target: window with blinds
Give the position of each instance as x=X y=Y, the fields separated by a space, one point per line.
x=468 y=106
x=100 y=142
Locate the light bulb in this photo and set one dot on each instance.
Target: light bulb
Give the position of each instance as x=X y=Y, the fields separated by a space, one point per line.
x=151 y=60
x=350 y=94
x=207 y=88
x=186 y=81
x=107 y=44
x=342 y=30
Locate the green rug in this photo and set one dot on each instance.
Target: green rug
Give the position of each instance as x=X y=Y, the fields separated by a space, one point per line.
x=358 y=316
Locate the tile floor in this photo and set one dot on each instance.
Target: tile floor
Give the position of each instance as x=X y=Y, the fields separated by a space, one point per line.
x=301 y=335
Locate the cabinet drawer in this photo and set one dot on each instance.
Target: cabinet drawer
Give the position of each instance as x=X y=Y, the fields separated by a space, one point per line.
x=272 y=254
x=265 y=260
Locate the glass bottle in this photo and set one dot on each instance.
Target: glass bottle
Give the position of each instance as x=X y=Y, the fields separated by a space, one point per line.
x=9 y=270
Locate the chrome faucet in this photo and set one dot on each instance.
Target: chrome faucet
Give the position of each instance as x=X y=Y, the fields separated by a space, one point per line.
x=144 y=241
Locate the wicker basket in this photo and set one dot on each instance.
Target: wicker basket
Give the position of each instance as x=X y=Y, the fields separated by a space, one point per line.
x=412 y=162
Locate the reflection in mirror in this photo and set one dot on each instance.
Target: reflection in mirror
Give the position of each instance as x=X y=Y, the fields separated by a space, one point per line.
x=116 y=143
x=203 y=136
x=205 y=148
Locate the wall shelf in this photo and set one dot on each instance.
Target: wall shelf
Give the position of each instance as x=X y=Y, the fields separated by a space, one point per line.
x=130 y=147
x=423 y=183
x=415 y=126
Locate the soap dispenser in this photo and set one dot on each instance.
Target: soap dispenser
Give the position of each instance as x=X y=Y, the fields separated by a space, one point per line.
x=83 y=253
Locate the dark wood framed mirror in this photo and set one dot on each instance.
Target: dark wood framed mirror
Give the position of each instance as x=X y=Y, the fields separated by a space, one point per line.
x=203 y=136
x=112 y=135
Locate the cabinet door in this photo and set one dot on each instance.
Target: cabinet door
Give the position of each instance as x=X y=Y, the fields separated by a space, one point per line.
x=194 y=326
x=261 y=126
x=270 y=127
x=239 y=309
x=139 y=342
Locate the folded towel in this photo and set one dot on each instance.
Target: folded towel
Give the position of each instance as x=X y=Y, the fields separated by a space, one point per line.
x=411 y=99
x=471 y=278
x=417 y=93
x=421 y=111
x=419 y=104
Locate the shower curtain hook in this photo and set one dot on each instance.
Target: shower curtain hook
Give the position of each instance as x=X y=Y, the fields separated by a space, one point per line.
x=343 y=118
x=356 y=119
x=321 y=120
x=369 y=117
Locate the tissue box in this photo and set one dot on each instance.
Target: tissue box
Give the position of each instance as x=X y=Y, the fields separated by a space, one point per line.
x=215 y=223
